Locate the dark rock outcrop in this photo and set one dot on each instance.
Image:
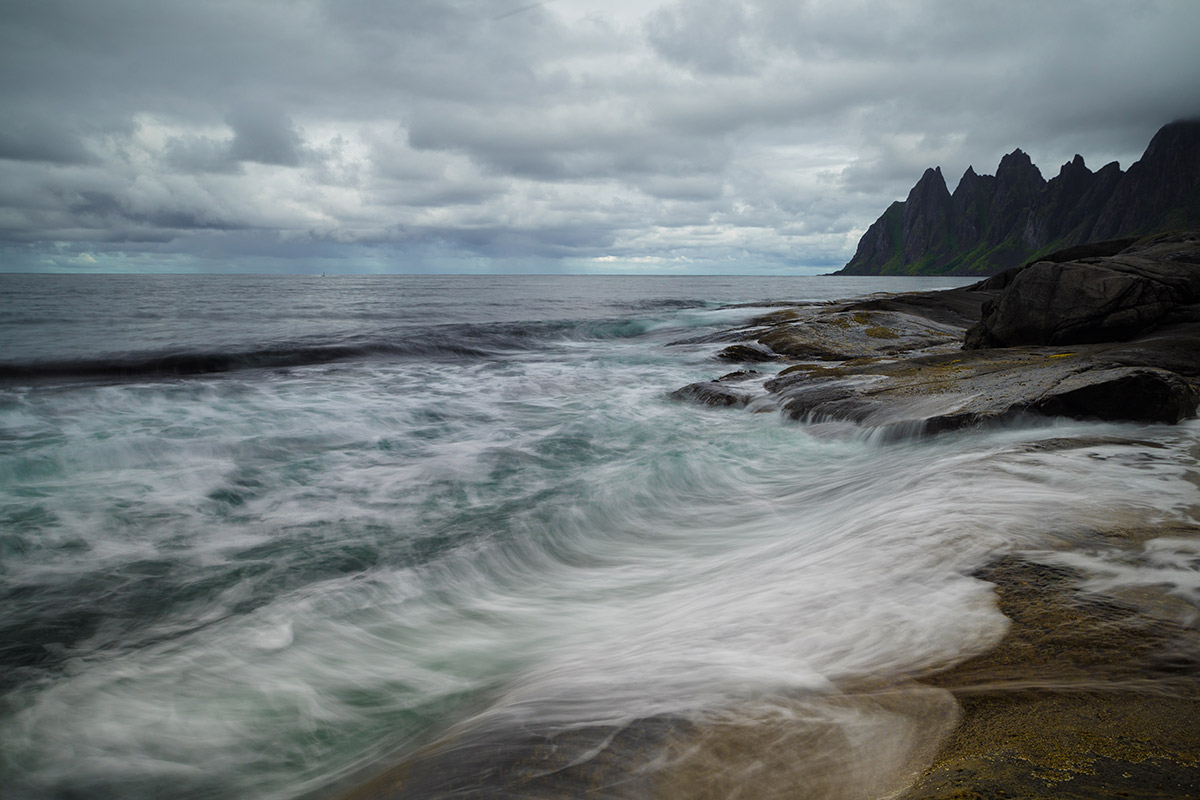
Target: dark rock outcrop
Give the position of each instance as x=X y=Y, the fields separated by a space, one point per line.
x=722 y=392
x=1154 y=395
x=746 y=353
x=991 y=223
x=1055 y=302
x=712 y=393
x=1112 y=337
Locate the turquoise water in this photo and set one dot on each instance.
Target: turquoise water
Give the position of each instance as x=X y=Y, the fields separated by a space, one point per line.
x=261 y=536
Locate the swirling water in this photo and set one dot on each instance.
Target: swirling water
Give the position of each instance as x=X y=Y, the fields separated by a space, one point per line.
x=262 y=536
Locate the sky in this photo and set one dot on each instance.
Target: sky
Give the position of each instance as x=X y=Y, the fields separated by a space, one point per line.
x=576 y=136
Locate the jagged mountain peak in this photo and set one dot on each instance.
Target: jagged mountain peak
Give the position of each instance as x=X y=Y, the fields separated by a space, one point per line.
x=1017 y=165
x=931 y=180
x=1161 y=191
x=1180 y=134
x=970 y=182
x=1075 y=166
x=991 y=223
x=1073 y=177
x=1015 y=158
x=931 y=175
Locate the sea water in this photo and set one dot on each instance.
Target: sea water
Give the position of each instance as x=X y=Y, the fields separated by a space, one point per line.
x=263 y=537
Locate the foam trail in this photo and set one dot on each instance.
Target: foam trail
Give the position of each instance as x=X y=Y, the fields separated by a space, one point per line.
x=262 y=583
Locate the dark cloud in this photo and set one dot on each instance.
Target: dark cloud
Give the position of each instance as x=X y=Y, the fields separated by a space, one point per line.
x=264 y=135
x=260 y=134
x=189 y=154
x=29 y=140
x=664 y=135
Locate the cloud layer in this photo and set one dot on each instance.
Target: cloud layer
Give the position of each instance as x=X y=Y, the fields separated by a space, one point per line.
x=573 y=135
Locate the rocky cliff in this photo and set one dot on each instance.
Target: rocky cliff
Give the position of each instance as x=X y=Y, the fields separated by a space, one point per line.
x=992 y=223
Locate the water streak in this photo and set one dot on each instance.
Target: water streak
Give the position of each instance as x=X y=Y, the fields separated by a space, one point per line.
x=262 y=582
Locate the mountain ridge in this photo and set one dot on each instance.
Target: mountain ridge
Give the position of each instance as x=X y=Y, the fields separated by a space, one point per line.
x=994 y=222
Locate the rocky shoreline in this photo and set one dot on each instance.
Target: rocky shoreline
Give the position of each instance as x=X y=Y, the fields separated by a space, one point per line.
x=1088 y=695
x=1108 y=331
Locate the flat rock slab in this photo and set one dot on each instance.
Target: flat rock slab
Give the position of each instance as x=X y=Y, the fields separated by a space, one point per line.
x=841 y=332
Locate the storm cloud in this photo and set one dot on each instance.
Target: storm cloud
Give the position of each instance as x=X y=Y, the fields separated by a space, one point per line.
x=573 y=135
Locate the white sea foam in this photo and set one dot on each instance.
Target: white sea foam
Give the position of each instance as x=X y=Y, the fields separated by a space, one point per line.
x=278 y=577
x=1167 y=562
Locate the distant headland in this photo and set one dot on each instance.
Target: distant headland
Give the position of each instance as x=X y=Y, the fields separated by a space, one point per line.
x=994 y=222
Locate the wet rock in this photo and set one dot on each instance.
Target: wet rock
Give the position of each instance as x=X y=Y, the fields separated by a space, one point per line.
x=1093 y=299
x=947 y=391
x=1081 y=699
x=1110 y=337
x=740 y=375
x=712 y=393
x=722 y=392
x=746 y=354
x=842 y=333
x=1107 y=337
x=1152 y=395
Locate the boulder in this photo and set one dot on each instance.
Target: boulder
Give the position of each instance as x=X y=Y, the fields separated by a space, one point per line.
x=1123 y=393
x=711 y=393
x=1093 y=299
x=746 y=353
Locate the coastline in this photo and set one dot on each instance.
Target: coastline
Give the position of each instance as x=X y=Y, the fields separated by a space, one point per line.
x=1088 y=693
x=707 y=603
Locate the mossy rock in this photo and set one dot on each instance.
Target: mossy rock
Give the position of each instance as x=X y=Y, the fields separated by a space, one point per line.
x=1079 y=700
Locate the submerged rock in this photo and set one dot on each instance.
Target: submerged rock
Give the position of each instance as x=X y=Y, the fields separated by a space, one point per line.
x=746 y=353
x=712 y=393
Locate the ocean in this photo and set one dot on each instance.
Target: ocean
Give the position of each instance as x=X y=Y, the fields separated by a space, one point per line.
x=269 y=537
